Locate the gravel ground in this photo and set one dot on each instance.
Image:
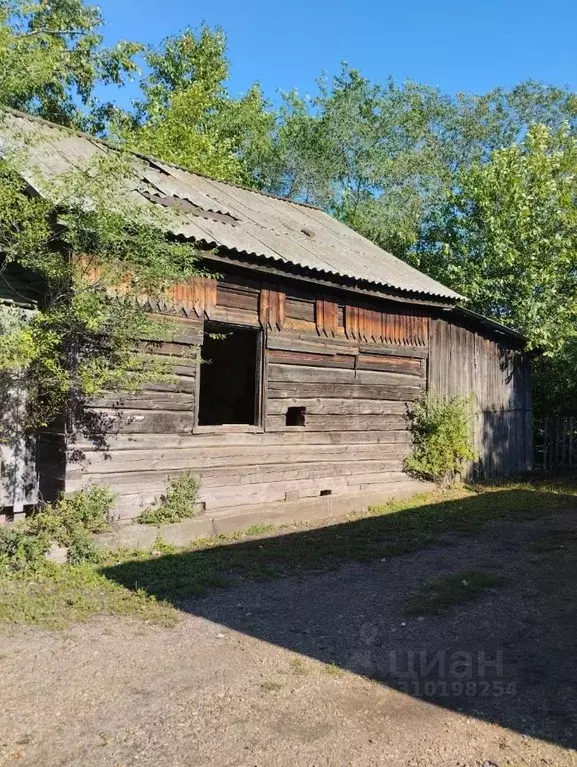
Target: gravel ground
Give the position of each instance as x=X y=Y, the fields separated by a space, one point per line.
x=317 y=671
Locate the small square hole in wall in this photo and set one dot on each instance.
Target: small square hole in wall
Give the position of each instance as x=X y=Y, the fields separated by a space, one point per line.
x=296 y=416
x=326 y=492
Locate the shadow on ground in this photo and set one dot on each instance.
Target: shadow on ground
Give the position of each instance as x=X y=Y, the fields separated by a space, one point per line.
x=350 y=595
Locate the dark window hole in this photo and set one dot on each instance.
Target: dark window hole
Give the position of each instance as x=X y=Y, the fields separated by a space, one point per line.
x=326 y=492
x=228 y=376
x=295 y=416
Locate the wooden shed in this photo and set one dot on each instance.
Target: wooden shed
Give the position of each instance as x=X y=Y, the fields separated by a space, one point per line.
x=327 y=341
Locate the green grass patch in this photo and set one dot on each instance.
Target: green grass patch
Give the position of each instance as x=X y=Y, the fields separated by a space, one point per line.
x=260 y=530
x=299 y=667
x=333 y=670
x=389 y=530
x=270 y=685
x=440 y=597
x=145 y=583
x=59 y=595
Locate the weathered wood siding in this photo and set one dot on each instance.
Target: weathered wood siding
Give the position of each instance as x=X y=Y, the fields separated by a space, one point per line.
x=352 y=363
x=18 y=453
x=354 y=368
x=465 y=361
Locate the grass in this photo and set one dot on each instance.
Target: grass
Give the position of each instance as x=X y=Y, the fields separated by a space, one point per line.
x=60 y=595
x=554 y=541
x=259 y=530
x=390 y=530
x=269 y=685
x=176 y=504
x=299 y=667
x=438 y=598
x=147 y=584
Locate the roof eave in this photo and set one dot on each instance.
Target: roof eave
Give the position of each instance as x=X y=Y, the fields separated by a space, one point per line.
x=253 y=262
x=493 y=325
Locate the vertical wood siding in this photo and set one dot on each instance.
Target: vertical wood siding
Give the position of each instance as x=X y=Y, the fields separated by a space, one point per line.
x=465 y=362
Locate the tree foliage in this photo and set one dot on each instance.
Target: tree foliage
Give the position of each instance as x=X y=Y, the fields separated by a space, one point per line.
x=187 y=116
x=96 y=254
x=507 y=237
x=476 y=190
x=52 y=57
x=380 y=157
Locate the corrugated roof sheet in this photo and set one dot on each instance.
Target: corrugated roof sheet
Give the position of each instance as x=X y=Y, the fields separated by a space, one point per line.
x=265 y=226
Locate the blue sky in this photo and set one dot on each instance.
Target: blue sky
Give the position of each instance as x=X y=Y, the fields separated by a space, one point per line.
x=458 y=45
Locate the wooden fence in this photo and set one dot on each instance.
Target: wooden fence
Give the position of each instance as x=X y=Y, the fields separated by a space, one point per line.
x=556 y=443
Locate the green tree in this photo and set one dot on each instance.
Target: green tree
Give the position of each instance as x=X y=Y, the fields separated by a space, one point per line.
x=97 y=253
x=365 y=152
x=507 y=237
x=187 y=116
x=52 y=56
x=381 y=157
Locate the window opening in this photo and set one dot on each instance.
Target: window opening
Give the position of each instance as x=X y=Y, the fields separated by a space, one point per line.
x=295 y=416
x=228 y=376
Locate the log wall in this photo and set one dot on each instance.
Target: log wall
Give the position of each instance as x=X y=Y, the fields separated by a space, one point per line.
x=18 y=450
x=355 y=365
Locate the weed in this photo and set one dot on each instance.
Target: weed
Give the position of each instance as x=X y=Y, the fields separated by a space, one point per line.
x=260 y=529
x=439 y=597
x=70 y=522
x=299 y=667
x=21 y=549
x=176 y=504
x=162 y=547
x=60 y=595
x=270 y=685
x=442 y=438
x=333 y=670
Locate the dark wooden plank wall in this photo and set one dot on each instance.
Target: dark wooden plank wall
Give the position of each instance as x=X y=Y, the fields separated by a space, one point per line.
x=465 y=361
x=352 y=367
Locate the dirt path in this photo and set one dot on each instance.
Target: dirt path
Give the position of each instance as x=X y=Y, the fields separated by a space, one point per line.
x=313 y=671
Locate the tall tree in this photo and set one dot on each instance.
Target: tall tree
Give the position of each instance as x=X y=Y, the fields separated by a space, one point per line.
x=365 y=152
x=507 y=237
x=187 y=116
x=95 y=253
x=381 y=157
x=52 y=57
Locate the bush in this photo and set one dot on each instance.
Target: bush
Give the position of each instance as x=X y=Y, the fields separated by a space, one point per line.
x=71 y=521
x=21 y=549
x=442 y=439
x=177 y=503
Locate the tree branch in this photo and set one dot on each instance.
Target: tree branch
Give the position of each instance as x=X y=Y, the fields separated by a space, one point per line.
x=55 y=32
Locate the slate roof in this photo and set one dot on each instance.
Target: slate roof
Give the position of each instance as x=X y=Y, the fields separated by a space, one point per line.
x=220 y=214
